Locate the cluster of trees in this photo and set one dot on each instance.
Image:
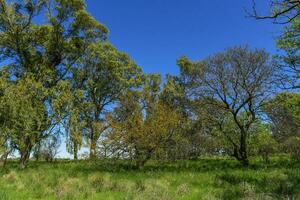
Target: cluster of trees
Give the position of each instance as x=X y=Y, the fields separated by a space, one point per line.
x=60 y=77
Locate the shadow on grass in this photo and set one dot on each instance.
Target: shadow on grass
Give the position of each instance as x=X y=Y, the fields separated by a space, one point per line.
x=272 y=183
x=200 y=165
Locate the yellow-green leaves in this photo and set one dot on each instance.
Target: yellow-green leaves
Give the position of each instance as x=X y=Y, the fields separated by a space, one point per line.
x=142 y=124
x=26 y=118
x=49 y=49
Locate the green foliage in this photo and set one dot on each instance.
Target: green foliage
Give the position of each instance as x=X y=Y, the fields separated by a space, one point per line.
x=232 y=86
x=284 y=112
x=39 y=58
x=67 y=104
x=286 y=12
x=104 y=75
x=59 y=72
x=289 y=42
x=292 y=146
x=262 y=142
x=143 y=124
x=50 y=49
x=26 y=116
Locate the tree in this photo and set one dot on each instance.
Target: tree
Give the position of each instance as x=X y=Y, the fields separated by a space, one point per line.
x=44 y=40
x=192 y=140
x=67 y=104
x=49 y=147
x=236 y=82
x=292 y=146
x=286 y=12
x=26 y=115
x=262 y=141
x=104 y=75
x=141 y=124
x=284 y=113
x=5 y=146
x=281 y=11
x=49 y=49
x=290 y=61
x=74 y=129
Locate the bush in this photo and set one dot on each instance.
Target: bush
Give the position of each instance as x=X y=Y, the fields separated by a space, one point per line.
x=263 y=144
x=292 y=147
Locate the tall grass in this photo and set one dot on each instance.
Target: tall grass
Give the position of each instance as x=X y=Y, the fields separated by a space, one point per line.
x=207 y=178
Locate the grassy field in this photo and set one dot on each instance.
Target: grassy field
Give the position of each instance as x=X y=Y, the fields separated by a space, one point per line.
x=209 y=178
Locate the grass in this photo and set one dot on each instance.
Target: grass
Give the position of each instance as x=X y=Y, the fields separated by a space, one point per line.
x=207 y=178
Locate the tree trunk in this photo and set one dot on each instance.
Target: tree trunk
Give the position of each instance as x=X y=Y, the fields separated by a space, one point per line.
x=93 y=149
x=142 y=158
x=24 y=158
x=3 y=158
x=243 y=149
x=93 y=145
x=141 y=163
x=37 y=158
x=244 y=162
x=75 y=152
x=240 y=152
x=241 y=157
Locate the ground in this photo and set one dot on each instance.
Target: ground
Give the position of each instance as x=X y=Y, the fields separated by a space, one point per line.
x=206 y=178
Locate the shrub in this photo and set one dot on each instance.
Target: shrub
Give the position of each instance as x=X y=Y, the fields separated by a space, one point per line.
x=182 y=189
x=11 y=177
x=97 y=182
x=140 y=186
x=292 y=146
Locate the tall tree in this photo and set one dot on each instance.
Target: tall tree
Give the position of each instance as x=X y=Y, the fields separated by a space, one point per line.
x=104 y=75
x=4 y=136
x=74 y=127
x=67 y=104
x=5 y=142
x=44 y=40
x=193 y=140
x=27 y=119
x=236 y=82
x=48 y=49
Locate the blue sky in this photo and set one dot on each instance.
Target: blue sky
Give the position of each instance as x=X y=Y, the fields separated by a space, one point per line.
x=157 y=32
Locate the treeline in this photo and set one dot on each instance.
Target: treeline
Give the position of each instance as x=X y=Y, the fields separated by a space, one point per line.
x=61 y=78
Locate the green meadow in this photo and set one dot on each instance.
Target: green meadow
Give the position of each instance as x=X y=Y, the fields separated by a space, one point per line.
x=185 y=100
x=207 y=178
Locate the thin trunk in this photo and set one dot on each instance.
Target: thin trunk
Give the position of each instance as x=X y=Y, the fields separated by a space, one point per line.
x=75 y=151
x=37 y=158
x=93 y=149
x=3 y=158
x=141 y=163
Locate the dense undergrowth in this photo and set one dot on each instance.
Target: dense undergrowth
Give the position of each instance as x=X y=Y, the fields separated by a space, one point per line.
x=207 y=178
